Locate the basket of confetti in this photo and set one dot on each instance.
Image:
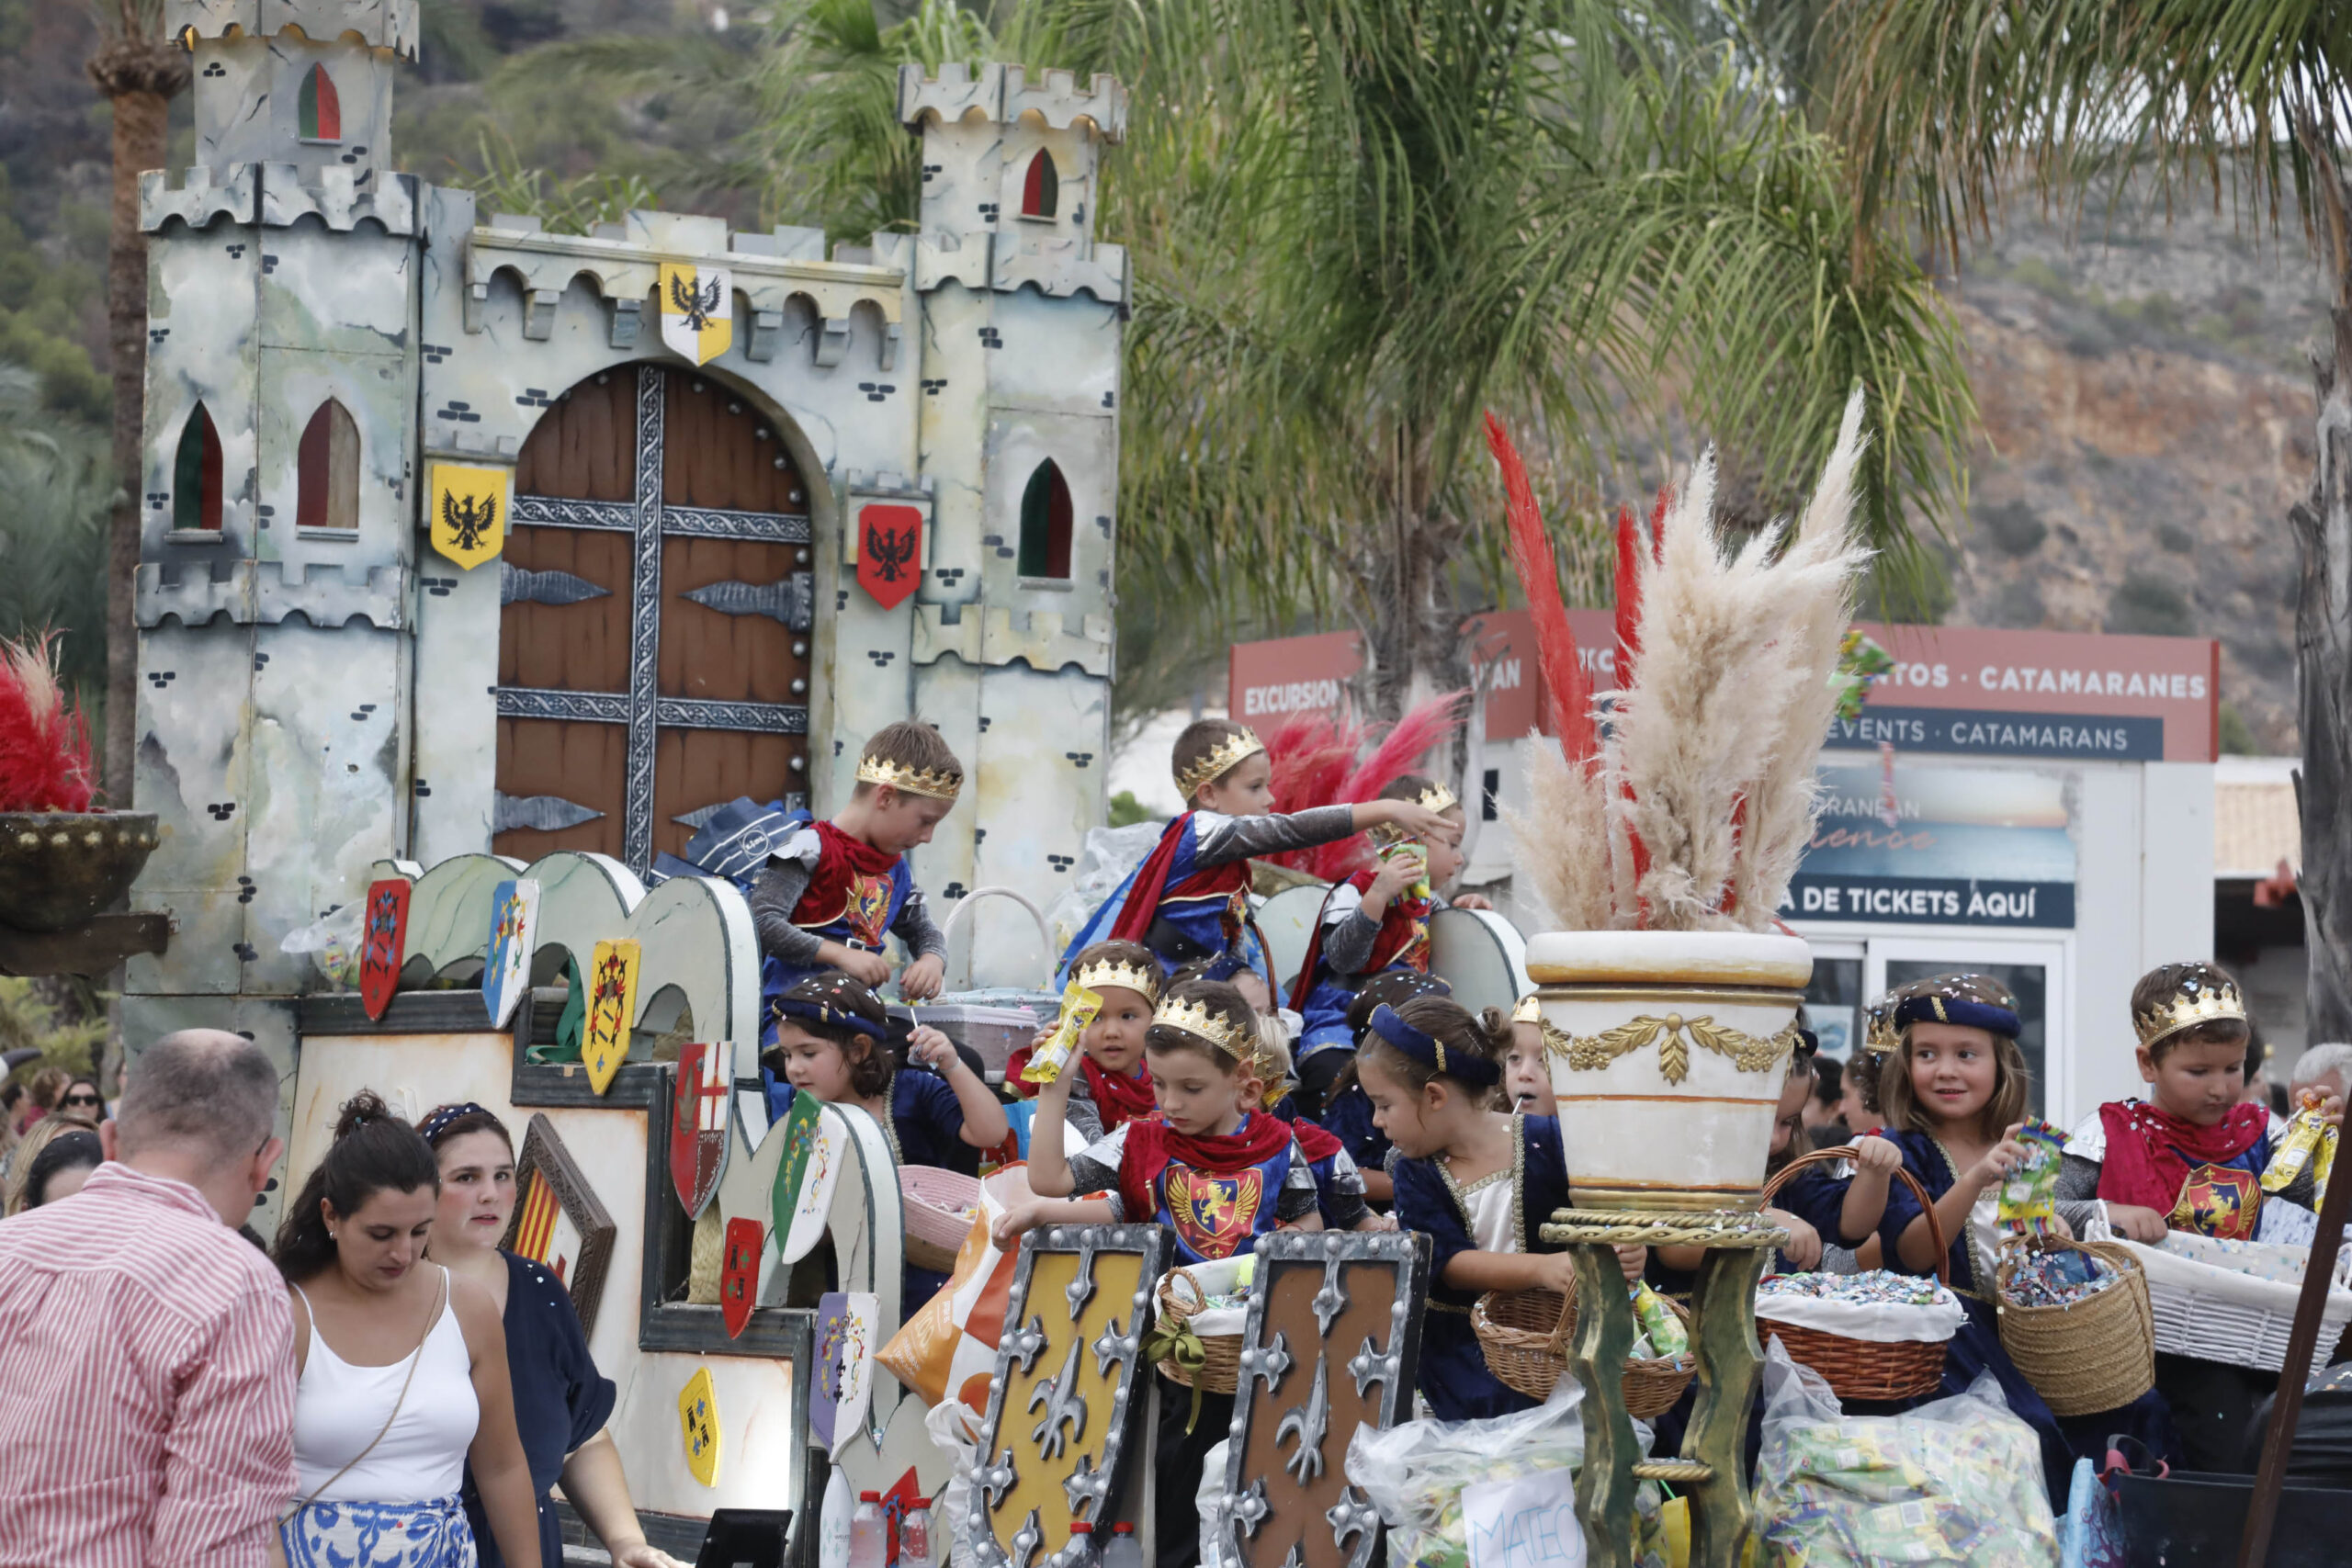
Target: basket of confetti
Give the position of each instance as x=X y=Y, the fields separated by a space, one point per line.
x=1858 y=1368
x=2076 y=1319
x=1524 y=1335
x=940 y=1206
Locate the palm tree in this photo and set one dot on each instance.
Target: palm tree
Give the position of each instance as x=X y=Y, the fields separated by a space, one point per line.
x=1945 y=106
x=138 y=71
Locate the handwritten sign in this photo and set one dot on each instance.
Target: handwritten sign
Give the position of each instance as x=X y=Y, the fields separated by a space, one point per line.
x=1528 y=1523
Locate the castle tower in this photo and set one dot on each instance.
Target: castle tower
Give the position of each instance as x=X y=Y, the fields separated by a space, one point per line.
x=1025 y=312
x=277 y=538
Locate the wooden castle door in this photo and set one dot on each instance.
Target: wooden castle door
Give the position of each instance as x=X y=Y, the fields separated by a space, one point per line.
x=653 y=643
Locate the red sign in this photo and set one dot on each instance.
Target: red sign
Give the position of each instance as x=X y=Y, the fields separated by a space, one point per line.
x=1271 y=680
x=890 y=551
x=738 y=1280
x=383 y=942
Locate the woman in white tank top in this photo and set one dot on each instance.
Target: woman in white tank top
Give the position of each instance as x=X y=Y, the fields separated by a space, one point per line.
x=404 y=1377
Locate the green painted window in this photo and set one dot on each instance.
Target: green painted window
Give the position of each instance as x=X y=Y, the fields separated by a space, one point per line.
x=1046 y=524
x=196 y=474
x=321 y=109
x=1042 y=190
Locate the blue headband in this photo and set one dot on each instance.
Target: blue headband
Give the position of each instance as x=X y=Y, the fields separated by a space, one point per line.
x=1937 y=1008
x=822 y=1000
x=1225 y=967
x=1476 y=1071
x=431 y=1127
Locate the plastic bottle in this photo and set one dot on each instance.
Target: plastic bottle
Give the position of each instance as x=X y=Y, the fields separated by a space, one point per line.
x=1125 y=1551
x=833 y=1524
x=870 y=1536
x=914 y=1536
x=1082 y=1537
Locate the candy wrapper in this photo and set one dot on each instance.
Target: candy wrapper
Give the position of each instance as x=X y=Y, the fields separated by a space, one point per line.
x=1394 y=848
x=1956 y=1482
x=1666 y=1337
x=1046 y=1061
x=2029 y=1196
x=2054 y=1276
x=2309 y=1145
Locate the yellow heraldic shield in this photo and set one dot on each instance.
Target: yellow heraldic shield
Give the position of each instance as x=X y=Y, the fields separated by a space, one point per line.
x=612 y=1009
x=468 y=505
x=698 y=310
x=698 y=1425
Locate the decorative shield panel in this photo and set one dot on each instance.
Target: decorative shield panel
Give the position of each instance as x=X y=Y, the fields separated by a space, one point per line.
x=816 y=1142
x=612 y=1008
x=698 y=310
x=842 y=1389
x=469 y=506
x=383 y=942
x=698 y=1124
x=752 y=1112
x=1331 y=1343
x=739 y=1276
x=559 y=1220
x=1065 y=1403
x=890 y=551
x=506 y=965
x=698 y=1425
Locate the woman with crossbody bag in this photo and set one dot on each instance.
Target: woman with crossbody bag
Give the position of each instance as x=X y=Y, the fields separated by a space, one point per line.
x=402 y=1369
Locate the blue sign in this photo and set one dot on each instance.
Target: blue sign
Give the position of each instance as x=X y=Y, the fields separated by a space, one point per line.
x=1926 y=845
x=1984 y=733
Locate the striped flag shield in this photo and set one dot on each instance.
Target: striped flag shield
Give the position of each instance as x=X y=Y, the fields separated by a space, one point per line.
x=698 y=1115
x=543 y=1233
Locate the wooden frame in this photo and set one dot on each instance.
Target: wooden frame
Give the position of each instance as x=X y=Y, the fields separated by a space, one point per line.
x=544 y=1158
x=1077 y=1360
x=1314 y=1367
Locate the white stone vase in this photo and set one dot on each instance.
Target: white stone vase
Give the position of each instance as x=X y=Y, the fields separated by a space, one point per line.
x=1668 y=1052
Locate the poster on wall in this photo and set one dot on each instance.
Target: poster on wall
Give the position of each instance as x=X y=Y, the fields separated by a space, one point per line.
x=1929 y=844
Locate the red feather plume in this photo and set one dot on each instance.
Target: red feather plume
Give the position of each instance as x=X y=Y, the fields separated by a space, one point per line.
x=1314 y=761
x=1567 y=689
x=45 y=762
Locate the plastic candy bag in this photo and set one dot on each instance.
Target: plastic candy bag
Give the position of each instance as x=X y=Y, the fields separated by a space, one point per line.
x=2310 y=1144
x=332 y=940
x=1957 y=1480
x=1047 y=1060
x=2028 y=1195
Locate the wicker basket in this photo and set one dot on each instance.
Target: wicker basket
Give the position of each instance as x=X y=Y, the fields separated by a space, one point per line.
x=1867 y=1368
x=2215 y=1314
x=1221 y=1369
x=1525 y=1335
x=2097 y=1354
x=940 y=1206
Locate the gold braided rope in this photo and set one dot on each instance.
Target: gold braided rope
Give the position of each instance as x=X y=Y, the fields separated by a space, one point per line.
x=1689 y=1471
x=1629 y=1227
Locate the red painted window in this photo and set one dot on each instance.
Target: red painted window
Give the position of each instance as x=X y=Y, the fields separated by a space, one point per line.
x=321 y=109
x=196 y=474
x=327 y=470
x=1046 y=524
x=1041 y=189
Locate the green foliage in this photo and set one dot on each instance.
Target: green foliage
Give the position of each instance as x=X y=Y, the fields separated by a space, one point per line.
x=54 y=484
x=2013 y=526
x=1127 y=810
x=33 y=1018
x=2146 y=602
x=563 y=206
x=2237 y=736
x=42 y=303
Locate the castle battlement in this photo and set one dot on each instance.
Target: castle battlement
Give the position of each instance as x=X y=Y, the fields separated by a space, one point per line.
x=1002 y=93
x=389 y=24
x=201 y=194
x=265 y=592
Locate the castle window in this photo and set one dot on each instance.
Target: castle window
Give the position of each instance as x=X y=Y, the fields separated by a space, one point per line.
x=1045 y=523
x=327 y=470
x=196 y=475
x=1042 y=189
x=321 y=109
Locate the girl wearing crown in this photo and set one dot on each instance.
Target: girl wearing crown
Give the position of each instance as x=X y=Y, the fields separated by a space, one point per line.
x=1108 y=1085
x=1376 y=919
x=1188 y=900
x=1215 y=1168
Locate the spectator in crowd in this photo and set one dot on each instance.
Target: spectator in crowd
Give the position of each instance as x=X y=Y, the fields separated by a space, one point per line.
x=64 y=1167
x=146 y=1353
x=40 y=1096
x=1824 y=1115
x=28 y=1153
x=1857 y=1109
x=80 y=1097
x=2327 y=1069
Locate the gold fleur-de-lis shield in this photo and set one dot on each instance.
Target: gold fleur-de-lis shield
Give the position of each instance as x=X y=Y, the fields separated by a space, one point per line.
x=467 y=505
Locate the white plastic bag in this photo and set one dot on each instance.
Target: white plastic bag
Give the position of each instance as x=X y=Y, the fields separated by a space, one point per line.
x=1104 y=860
x=955 y=1431
x=332 y=940
x=1414 y=1471
x=1957 y=1480
x=1208 y=1502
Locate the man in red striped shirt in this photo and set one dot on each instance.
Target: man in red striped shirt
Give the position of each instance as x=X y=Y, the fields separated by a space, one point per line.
x=146 y=1348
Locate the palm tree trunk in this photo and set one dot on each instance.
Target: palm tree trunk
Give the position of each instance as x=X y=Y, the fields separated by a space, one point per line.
x=137 y=76
x=2323 y=525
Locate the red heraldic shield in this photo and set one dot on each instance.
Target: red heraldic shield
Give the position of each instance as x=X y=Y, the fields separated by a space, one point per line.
x=889 y=552
x=738 y=1282
x=698 y=1122
x=383 y=939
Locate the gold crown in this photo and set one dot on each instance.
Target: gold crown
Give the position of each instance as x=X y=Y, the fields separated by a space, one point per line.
x=1143 y=980
x=1197 y=1019
x=1437 y=798
x=2178 y=1012
x=1528 y=1009
x=1224 y=757
x=938 y=783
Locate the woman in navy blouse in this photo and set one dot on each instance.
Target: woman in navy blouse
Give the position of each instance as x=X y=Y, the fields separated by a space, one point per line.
x=561 y=1402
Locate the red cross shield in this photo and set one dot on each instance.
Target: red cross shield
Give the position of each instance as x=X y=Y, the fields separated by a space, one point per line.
x=383 y=942
x=739 y=1279
x=890 y=551
x=698 y=1122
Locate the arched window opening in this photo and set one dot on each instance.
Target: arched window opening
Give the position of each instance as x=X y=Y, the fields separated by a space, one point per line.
x=196 y=475
x=322 y=107
x=1042 y=189
x=1045 y=523
x=326 y=491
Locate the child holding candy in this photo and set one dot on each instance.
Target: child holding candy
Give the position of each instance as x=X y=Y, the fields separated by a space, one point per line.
x=1113 y=988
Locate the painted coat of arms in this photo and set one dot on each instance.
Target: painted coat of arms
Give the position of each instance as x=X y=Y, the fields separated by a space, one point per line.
x=698 y=1122
x=612 y=1008
x=890 y=551
x=383 y=942
x=506 y=968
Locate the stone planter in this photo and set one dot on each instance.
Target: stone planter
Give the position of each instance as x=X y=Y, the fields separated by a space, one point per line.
x=59 y=870
x=1669 y=1064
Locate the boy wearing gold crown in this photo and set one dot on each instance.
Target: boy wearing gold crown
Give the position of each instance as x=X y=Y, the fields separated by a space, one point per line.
x=827 y=898
x=1188 y=900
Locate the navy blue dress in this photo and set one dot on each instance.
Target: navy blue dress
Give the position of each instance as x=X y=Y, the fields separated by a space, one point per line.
x=561 y=1399
x=1819 y=1199
x=1454 y=1377
x=1976 y=1347
x=1348 y=1117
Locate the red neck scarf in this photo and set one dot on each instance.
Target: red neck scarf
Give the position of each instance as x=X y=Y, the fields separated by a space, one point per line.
x=839 y=858
x=2150 y=1150
x=1400 y=923
x=1316 y=1144
x=1120 y=1098
x=1153 y=1147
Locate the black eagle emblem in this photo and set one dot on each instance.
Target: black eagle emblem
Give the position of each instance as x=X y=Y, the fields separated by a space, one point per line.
x=469 y=518
x=694 y=300
x=893 y=550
